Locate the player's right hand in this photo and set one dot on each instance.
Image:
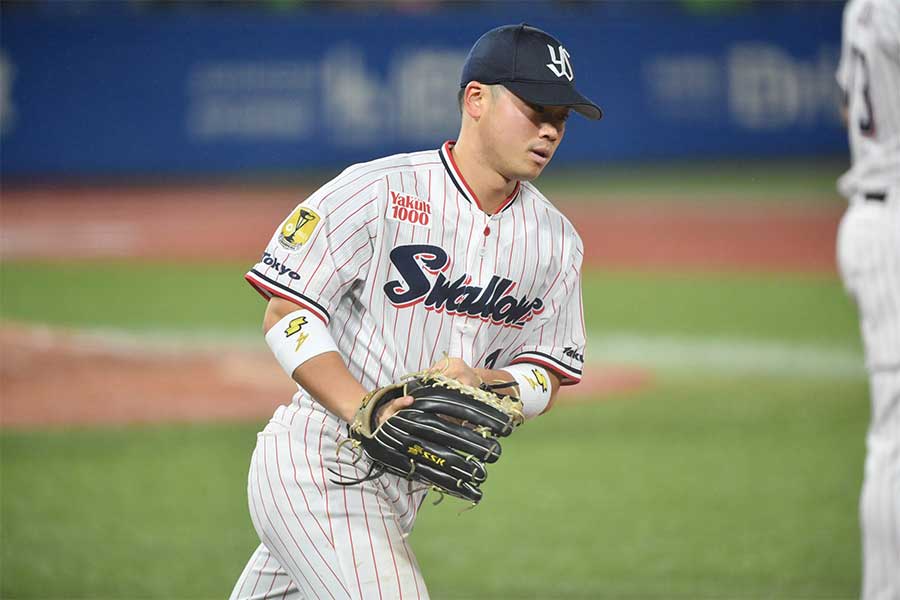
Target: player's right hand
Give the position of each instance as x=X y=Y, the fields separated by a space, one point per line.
x=456 y=368
x=393 y=407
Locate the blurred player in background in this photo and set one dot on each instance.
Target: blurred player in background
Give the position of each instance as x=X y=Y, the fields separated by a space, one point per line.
x=869 y=260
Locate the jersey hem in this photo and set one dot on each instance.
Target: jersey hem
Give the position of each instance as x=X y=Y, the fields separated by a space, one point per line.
x=268 y=288
x=568 y=375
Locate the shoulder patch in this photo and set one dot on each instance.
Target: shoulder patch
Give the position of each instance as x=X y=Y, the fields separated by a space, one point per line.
x=299 y=227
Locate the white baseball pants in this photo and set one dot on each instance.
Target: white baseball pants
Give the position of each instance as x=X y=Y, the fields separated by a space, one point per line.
x=319 y=539
x=869 y=260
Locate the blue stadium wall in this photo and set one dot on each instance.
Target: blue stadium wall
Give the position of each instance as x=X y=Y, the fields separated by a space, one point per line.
x=231 y=91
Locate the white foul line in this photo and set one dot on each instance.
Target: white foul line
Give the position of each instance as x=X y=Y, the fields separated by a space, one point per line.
x=727 y=355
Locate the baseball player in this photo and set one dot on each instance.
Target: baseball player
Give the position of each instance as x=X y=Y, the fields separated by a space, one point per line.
x=447 y=258
x=869 y=260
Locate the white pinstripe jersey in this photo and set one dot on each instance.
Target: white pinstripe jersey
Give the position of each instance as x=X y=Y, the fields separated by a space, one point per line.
x=398 y=259
x=869 y=76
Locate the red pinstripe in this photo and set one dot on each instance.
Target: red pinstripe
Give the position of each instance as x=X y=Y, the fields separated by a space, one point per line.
x=312 y=242
x=437 y=337
x=351 y=280
x=386 y=488
x=258 y=577
x=496 y=233
x=350 y=531
x=562 y=241
x=521 y=278
x=367 y=173
x=384 y=318
x=270 y=544
x=384 y=304
x=324 y=483
x=375 y=280
x=302 y=493
x=312 y=276
x=410 y=561
x=358 y=229
x=581 y=309
x=347 y=218
x=512 y=245
x=469 y=243
x=419 y=363
x=391 y=547
x=338 y=269
x=291 y=535
x=537 y=262
x=362 y=498
x=272 y=584
x=396 y=318
x=306 y=454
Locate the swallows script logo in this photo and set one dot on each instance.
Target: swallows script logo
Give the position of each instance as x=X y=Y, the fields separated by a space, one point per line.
x=493 y=303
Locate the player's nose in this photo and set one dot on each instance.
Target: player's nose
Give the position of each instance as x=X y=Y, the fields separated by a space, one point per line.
x=550 y=131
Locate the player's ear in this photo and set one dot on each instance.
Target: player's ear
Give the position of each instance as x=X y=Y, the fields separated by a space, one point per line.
x=475 y=99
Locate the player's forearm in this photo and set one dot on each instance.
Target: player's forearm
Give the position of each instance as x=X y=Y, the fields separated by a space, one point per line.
x=331 y=384
x=324 y=376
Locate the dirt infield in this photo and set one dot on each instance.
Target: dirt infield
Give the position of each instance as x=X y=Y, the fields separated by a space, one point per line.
x=204 y=222
x=94 y=379
x=97 y=380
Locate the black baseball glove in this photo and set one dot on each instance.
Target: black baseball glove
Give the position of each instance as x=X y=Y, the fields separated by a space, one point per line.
x=443 y=440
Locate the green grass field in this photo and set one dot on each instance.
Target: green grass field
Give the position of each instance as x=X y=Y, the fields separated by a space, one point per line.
x=735 y=476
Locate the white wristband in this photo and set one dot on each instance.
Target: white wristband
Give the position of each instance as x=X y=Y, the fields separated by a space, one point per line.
x=298 y=337
x=534 y=387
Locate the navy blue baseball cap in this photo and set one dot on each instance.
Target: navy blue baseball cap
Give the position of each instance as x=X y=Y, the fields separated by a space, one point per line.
x=530 y=63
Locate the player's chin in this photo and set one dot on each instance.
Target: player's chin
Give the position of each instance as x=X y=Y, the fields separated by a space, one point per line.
x=531 y=170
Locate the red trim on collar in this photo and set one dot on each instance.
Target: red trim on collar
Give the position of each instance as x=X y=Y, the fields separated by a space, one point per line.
x=446 y=148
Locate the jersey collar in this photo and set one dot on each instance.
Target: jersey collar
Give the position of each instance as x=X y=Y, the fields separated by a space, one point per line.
x=460 y=183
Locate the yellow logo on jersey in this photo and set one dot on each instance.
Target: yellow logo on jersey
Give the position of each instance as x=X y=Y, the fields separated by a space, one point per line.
x=299 y=227
x=538 y=381
x=418 y=450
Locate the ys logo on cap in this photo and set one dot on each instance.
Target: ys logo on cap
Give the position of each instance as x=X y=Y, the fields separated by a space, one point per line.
x=560 y=66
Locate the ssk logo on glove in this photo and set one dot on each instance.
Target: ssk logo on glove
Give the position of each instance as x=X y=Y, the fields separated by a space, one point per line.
x=418 y=450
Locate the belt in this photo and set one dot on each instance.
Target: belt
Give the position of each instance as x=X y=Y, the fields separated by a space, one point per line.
x=875 y=196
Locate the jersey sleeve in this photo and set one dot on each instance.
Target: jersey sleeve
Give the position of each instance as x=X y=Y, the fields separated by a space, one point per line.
x=887 y=27
x=557 y=341
x=842 y=75
x=323 y=246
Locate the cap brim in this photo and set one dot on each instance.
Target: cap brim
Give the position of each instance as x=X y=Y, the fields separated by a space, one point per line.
x=554 y=94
